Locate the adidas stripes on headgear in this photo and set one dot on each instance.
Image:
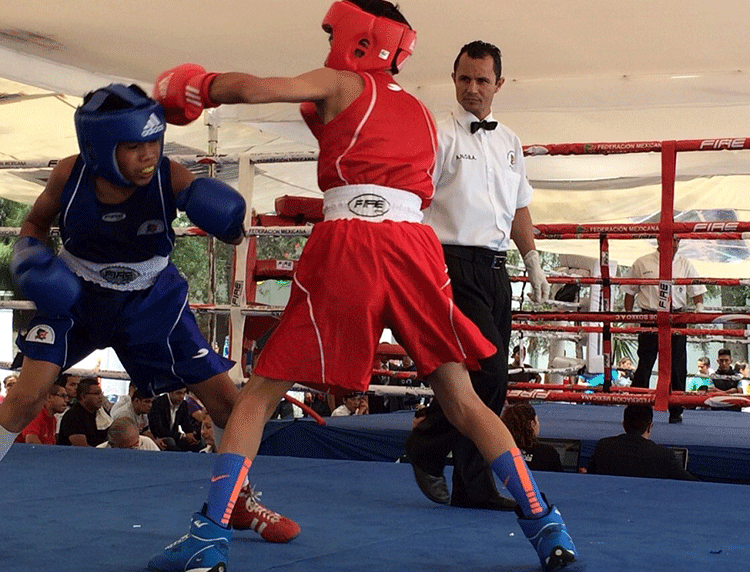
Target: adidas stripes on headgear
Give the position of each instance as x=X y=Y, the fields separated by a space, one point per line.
x=111 y=115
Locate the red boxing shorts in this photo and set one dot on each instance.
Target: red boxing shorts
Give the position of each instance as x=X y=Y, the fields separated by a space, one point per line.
x=354 y=279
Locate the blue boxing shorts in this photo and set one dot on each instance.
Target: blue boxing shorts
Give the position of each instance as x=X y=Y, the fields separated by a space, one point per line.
x=153 y=332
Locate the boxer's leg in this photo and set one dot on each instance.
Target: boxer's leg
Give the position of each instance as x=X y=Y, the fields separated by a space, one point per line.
x=26 y=400
x=542 y=524
x=206 y=546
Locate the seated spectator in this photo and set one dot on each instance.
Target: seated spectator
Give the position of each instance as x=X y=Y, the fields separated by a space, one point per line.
x=70 y=382
x=625 y=371
x=207 y=432
x=704 y=366
x=517 y=362
x=743 y=369
x=42 y=429
x=354 y=404
x=170 y=420
x=594 y=379
x=85 y=424
x=633 y=454
x=523 y=423
x=123 y=434
x=701 y=382
x=196 y=409
x=725 y=378
x=136 y=407
x=123 y=400
x=8 y=382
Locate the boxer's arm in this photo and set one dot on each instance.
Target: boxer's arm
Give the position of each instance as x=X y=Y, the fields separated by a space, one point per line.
x=38 y=273
x=186 y=90
x=332 y=90
x=47 y=205
x=316 y=85
x=210 y=204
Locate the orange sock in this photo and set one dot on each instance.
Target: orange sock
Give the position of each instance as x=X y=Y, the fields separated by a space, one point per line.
x=515 y=474
x=230 y=472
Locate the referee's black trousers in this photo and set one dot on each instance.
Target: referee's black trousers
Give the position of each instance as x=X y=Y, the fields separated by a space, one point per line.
x=483 y=294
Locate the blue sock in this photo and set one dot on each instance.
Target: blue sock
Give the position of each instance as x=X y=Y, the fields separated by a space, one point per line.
x=230 y=472
x=513 y=471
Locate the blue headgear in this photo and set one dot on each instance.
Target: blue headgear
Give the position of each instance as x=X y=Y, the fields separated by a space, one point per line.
x=139 y=119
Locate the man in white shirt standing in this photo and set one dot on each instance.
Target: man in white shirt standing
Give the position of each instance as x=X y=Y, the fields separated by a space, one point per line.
x=481 y=203
x=647 y=298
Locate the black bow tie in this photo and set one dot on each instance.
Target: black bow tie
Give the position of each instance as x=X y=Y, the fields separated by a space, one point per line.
x=484 y=124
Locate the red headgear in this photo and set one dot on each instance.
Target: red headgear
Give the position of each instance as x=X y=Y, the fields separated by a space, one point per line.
x=388 y=42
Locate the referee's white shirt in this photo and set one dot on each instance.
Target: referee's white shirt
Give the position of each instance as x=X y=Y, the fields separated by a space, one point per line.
x=647 y=297
x=480 y=182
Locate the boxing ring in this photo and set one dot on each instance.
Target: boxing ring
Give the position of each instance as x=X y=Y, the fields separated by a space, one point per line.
x=110 y=510
x=130 y=505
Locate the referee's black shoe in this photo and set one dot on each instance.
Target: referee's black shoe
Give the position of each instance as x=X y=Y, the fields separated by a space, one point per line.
x=434 y=488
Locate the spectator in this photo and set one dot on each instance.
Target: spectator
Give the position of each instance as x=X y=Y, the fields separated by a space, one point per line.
x=725 y=378
x=647 y=297
x=523 y=423
x=170 y=420
x=70 y=382
x=136 y=407
x=633 y=454
x=42 y=429
x=196 y=409
x=517 y=357
x=8 y=382
x=354 y=404
x=207 y=433
x=123 y=400
x=704 y=366
x=85 y=424
x=123 y=434
x=625 y=370
x=701 y=382
x=743 y=369
x=595 y=379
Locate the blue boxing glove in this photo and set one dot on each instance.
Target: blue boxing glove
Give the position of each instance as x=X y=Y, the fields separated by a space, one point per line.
x=215 y=207
x=43 y=277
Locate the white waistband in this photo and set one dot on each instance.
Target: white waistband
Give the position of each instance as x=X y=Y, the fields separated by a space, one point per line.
x=372 y=203
x=125 y=276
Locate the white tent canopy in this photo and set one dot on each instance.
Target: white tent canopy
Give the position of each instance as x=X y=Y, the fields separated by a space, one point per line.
x=580 y=71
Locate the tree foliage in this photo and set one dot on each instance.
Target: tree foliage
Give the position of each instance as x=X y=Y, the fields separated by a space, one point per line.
x=12 y=214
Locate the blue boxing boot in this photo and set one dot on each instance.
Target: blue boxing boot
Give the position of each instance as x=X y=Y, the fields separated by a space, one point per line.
x=204 y=549
x=549 y=537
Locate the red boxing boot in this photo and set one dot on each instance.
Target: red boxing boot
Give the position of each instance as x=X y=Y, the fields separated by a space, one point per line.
x=250 y=514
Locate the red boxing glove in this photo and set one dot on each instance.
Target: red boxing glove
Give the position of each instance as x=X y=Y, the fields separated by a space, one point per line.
x=184 y=93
